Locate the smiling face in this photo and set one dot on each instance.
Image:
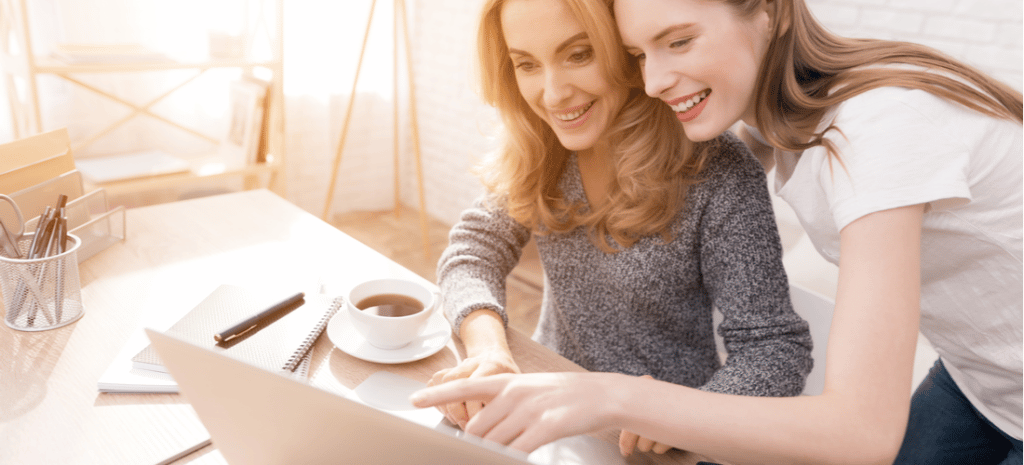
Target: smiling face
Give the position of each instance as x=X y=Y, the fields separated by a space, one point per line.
x=558 y=73
x=698 y=56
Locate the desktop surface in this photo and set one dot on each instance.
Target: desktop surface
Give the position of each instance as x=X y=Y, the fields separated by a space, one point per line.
x=174 y=255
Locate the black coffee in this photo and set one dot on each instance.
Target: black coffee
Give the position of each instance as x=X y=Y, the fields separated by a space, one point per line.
x=390 y=305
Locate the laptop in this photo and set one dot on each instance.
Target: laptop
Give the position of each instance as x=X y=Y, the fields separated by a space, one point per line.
x=255 y=416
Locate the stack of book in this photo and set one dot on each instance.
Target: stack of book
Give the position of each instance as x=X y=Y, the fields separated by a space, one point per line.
x=111 y=168
x=280 y=341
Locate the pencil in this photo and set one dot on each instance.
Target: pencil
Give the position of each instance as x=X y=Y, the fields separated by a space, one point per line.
x=58 y=245
x=40 y=228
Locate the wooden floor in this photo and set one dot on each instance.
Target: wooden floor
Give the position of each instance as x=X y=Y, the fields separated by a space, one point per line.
x=398 y=237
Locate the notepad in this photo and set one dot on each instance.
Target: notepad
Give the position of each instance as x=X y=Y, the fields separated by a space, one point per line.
x=278 y=344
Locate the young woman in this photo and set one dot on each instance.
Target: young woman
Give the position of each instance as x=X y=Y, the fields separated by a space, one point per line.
x=640 y=231
x=904 y=167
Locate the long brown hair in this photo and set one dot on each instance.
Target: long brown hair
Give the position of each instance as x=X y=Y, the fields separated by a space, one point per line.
x=808 y=70
x=655 y=162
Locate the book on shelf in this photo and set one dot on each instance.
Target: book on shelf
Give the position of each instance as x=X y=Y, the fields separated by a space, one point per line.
x=244 y=134
x=111 y=168
x=263 y=147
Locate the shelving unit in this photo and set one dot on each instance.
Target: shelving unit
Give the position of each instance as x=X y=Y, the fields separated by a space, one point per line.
x=22 y=66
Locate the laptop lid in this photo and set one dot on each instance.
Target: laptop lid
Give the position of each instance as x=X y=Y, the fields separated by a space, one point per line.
x=255 y=416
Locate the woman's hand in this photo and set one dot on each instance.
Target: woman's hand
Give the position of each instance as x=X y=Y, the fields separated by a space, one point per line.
x=487 y=363
x=628 y=442
x=528 y=411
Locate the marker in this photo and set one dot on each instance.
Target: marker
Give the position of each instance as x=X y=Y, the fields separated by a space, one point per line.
x=251 y=322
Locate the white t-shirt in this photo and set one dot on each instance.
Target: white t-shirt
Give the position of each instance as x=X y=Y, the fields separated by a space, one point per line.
x=905 y=147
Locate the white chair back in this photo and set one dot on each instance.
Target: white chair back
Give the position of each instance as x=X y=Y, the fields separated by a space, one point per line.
x=817 y=310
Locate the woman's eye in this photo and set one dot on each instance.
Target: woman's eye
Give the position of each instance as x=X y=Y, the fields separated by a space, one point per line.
x=581 y=56
x=524 y=66
x=679 y=43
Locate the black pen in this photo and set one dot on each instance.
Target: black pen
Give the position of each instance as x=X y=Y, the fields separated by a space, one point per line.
x=245 y=325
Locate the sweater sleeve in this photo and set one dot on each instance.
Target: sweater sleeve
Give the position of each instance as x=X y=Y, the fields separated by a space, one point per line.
x=768 y=344
x=483 y=248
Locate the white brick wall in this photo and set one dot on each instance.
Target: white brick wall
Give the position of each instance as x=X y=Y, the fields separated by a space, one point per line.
x=983 y=33
x=455 y=127
x=452 y=122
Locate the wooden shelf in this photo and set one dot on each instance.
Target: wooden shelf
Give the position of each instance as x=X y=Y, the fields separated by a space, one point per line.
x=250 y=173
x=29 y=64
x=49 y=65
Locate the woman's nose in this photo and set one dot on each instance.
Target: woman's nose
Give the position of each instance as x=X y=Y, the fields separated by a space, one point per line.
x=556 y=88
x=658 y=78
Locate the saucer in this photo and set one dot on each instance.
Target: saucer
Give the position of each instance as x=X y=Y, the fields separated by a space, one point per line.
x=433 y=338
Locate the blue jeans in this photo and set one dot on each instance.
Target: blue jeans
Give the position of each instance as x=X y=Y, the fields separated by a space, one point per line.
x=944 y=428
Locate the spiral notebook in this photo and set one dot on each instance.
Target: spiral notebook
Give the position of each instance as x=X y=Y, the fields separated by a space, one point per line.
x=279 y=344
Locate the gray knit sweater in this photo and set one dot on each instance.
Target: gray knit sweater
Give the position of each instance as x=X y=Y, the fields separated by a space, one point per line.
x=647 y=310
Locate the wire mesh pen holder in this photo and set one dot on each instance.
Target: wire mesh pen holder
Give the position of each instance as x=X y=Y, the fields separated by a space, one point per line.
x=42 y=293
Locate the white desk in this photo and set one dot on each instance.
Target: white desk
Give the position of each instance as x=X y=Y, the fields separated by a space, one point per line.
x=174 y=255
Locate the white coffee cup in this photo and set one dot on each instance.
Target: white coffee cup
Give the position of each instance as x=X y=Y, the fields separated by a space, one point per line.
x=390 y=332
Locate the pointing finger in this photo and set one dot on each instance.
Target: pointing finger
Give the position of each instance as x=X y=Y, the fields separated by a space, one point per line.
x=462 y=390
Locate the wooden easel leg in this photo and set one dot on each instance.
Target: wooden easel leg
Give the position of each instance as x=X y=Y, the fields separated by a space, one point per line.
x=424 y=230
x=348 y=116
x=399 y=9
x=394 y=102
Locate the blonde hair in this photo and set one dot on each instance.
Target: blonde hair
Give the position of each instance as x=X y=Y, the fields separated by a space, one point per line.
x=808 y=70
x=655 y=163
